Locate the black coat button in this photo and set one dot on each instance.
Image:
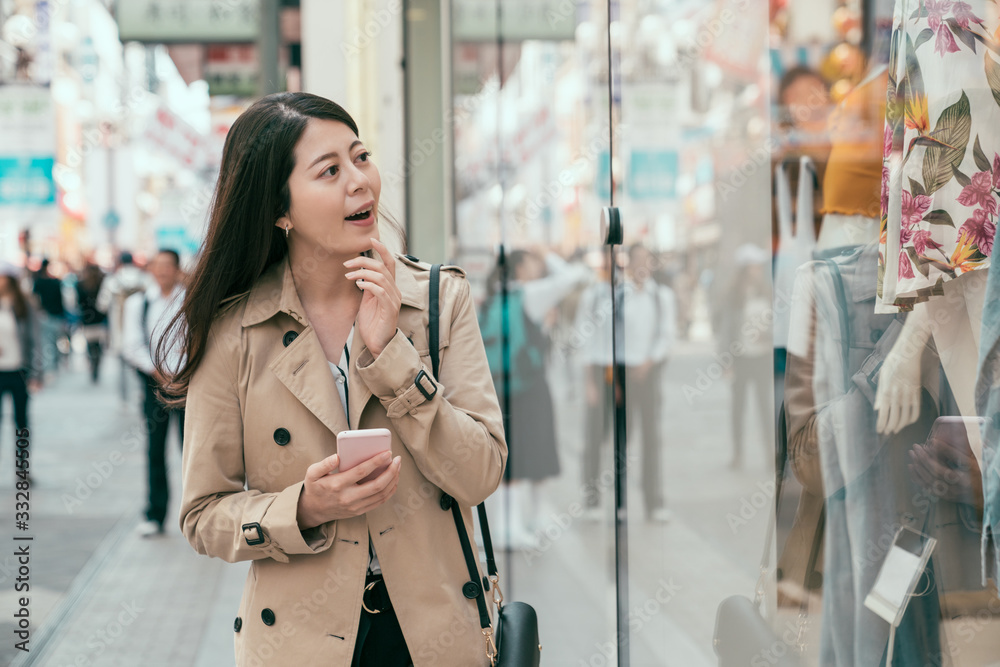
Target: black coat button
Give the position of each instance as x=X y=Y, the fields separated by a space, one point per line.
x=470 y=590
x=282 y=436
x=289 y=336
x=267 y=616
x=446 y=502
x=411 y=258
x=238 y=624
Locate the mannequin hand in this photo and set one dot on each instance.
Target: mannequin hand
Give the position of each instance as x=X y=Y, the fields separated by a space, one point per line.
x=379 y=312
x=897 y=399
x=328 y=496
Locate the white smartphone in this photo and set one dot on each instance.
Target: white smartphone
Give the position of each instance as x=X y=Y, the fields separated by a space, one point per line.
x=356 y=447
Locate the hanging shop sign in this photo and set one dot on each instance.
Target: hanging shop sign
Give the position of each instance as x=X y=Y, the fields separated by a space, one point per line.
x=652 y=174
x=174 y=136
x=188 y=21
x=520 y=20
x=27 y=146
x=232 y=69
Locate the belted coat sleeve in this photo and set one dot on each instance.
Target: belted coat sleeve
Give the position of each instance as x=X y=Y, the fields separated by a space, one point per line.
x=448 y=435
x=219 y=513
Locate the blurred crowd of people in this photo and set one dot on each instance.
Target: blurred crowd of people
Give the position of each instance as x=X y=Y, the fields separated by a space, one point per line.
x=46 y=315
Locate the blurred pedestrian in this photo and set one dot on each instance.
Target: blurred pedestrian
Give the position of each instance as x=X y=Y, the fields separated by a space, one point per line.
x=128 y=279
x=513 y=328
x=20 y=353
x=649 y=311
x=746 y=339
x=145 y=317
x=93 y=321
x=52 y=316
x=650 y=323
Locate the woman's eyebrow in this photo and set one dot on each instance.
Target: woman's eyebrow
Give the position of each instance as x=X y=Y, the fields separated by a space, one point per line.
x=325 y=156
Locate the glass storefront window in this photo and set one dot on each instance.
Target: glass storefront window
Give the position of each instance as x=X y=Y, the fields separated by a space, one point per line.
x=795 y=382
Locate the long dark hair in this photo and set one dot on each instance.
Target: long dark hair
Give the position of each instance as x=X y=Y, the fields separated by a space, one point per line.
x=515 y=258
x=242 y=240
x=19 y=302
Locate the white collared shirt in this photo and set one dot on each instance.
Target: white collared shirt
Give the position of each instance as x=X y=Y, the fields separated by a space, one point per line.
x=137 y=349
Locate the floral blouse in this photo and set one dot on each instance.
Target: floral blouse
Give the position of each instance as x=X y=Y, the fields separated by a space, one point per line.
x=941 y=154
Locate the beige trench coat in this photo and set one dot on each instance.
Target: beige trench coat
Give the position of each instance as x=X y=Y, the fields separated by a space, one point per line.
x=259 y=386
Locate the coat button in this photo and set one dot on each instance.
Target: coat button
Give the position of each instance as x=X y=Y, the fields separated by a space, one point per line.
x=282 y=436
x=411 y=258
x=267 y=616
x=470 y=590
x=446 y=502
x=238 y=624
x=289 y=336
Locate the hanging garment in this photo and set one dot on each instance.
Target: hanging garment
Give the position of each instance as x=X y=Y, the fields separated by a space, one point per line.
x=795 y=245
x=988 y=406
x=869 y=491
x=941 y=152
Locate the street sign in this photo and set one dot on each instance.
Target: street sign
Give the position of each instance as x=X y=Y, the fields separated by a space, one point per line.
x=188 y=21
x=27 y=181
x=652 y=174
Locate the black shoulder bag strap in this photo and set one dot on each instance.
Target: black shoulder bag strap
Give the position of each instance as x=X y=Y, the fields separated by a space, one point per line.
x=447 y=501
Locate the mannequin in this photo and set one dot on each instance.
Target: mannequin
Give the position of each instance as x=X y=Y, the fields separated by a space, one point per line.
x=937 y=80
x=836 y=338
x=953 y=322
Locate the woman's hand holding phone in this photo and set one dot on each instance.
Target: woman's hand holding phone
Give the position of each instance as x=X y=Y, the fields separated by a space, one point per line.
x=328 y=495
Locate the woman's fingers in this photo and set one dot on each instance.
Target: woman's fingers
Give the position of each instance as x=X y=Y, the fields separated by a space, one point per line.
x=322 y=468
x=365 y=468
x=387 y=259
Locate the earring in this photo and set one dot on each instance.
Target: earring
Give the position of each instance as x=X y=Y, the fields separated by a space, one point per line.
x=286 y=230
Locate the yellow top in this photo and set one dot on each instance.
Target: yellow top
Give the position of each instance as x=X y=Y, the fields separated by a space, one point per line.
x=852 y=184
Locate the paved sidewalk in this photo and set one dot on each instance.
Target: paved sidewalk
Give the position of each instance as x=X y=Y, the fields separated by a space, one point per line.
x=90 y=573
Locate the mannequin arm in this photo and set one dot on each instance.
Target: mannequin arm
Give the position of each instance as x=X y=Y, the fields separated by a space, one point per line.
x=897 y=399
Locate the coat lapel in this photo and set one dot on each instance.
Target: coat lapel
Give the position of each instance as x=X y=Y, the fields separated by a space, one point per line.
x=302 y=368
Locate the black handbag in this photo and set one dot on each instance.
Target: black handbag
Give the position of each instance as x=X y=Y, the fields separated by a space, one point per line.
x=515 y=642
x=743 y=637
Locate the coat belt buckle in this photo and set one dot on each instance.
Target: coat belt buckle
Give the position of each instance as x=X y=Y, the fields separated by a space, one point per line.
x=371 y=587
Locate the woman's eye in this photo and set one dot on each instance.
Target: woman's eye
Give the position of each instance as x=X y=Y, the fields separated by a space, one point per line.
x=331 y=170
x=364 y=157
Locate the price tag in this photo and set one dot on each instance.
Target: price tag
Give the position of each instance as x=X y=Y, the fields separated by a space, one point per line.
x=900 y=572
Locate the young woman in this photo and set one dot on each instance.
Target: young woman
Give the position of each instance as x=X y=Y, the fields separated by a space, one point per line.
x=20 y=353
x=301 y=324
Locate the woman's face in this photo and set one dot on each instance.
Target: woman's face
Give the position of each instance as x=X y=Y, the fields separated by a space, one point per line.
x=334 y=190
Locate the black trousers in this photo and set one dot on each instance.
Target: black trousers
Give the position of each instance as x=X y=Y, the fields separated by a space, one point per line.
x=643 y=405
x=94 y=351
x=380 y=640
x=157 y=425
x=14 y=383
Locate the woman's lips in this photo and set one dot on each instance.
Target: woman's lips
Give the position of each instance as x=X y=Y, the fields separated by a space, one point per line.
x=363 y=222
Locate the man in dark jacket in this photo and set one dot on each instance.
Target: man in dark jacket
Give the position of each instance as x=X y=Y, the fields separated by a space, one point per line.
x=52 y=315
